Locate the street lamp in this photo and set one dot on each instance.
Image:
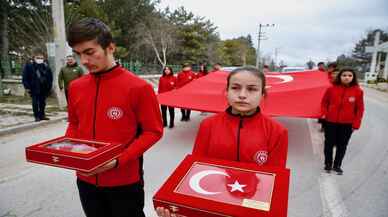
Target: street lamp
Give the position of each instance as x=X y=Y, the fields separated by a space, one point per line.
x=261 y=37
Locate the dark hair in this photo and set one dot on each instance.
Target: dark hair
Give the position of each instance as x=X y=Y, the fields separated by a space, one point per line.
x=254 y=71
x=204 y=68
x=265 y=66
x=333 y=65
x=89 y=29
x=37 y=51
x=320 y=63
x=337 y=80
x=164 y=69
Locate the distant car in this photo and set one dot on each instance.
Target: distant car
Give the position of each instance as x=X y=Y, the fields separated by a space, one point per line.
x=293 y=69
x=229 y=68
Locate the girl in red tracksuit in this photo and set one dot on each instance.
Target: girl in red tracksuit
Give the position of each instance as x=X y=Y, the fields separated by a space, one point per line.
x=242 y=132
x=342 y=108
x=185 y=77
x=167 y=82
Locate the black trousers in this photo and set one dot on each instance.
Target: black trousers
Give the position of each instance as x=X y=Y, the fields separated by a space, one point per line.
x=164 y=115
x=121 y=201
x=67 y=95
x=336 y=135
x=38 y=105
x=185 y=114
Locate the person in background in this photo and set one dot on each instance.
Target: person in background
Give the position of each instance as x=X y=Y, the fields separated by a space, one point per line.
x=331 y=69
x=217 y=67
x=202 y=70
x=37 y=79
x=266 y=69
x=343 y=109
x=228 y=135
x=185 y=77
x=110 y=104
x=321 y=67
x=167 y=82
x=69 y=72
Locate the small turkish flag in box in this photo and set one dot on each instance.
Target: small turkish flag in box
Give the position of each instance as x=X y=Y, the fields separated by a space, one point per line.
x=76 y=154
x=213 y=188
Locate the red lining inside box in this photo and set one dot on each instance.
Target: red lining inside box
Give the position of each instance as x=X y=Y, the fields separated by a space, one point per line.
x=167 y=197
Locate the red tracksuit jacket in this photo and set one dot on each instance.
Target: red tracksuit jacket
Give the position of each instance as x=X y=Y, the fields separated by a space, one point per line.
x=167 y=83
x=256 y=138
x=343 y=105
x=184 y=78
x=112 y=107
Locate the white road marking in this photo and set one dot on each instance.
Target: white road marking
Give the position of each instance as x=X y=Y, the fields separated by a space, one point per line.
x=332 y=203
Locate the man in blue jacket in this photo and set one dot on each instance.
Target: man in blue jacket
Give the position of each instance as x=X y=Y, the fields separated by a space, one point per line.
x=38 y=80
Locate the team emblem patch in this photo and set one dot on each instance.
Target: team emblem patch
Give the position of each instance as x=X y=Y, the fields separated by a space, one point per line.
x=115 y=113
x=260 y=157
x=172 y=83
x=352 y=99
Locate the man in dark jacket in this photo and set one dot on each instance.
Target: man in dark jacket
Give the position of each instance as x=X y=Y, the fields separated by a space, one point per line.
x=37 y=80
x=68 y=73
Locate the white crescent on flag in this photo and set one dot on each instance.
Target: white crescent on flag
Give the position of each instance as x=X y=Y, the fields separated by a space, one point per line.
x=284 y=78
x=196 y=179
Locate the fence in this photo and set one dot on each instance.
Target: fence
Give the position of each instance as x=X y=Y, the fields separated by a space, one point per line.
x=16 y=67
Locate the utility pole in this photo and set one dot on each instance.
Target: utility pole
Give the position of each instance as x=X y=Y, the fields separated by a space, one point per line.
x=57 y=57
x=261 y=37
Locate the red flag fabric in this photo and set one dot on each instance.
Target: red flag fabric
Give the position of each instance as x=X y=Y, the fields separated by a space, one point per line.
x=227 y=185
x=294 y=94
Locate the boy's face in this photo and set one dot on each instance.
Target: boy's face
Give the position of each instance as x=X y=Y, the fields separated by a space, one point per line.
x=93 y=56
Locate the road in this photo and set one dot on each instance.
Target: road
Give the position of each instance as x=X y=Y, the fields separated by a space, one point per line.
x=31 y=190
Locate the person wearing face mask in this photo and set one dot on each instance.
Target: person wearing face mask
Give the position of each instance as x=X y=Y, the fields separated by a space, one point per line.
x=37 y=80
x=69 y=73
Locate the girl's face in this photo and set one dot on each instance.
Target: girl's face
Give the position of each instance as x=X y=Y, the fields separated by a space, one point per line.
x=167 y=71
x=244 y=92
x=346 y=77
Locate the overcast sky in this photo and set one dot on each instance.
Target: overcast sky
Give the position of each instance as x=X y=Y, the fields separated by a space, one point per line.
x=304 y=29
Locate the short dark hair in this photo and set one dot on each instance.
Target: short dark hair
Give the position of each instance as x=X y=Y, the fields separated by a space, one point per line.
x=333 y=65
x=320 y=63
x=254 y=71
x=89 y=29
x=37 y=51
x=337 y=80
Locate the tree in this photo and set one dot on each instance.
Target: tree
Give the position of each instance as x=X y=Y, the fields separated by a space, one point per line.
x=159 y=35
x=310 y=64
x=194 y=35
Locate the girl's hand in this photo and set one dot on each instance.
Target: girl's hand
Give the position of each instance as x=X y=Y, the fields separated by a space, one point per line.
x=163 y=212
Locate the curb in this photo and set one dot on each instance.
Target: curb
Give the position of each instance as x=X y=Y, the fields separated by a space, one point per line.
x=27 y=126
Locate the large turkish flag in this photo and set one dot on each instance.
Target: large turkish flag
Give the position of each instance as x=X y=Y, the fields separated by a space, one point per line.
x=296 y=94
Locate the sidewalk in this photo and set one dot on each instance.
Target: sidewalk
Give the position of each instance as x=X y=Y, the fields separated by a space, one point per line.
x=16 y=114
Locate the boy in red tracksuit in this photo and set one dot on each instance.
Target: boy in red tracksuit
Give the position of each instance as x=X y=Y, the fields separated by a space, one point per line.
x=167 y=82
x=342 y=109
x=242 y=132
x=185 y=77
x=110 y=104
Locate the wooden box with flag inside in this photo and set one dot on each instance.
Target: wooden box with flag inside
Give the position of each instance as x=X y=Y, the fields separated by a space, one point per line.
x=214 y=188
x=75 y=154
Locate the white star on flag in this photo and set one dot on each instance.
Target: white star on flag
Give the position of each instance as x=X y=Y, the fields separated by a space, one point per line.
x=236 y=186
